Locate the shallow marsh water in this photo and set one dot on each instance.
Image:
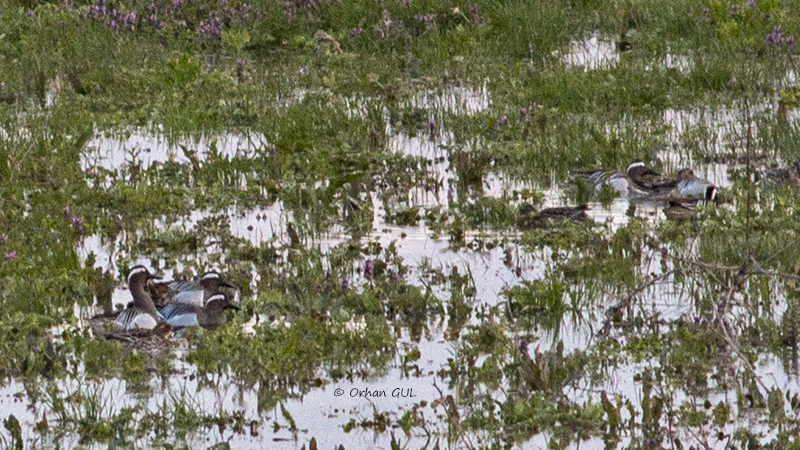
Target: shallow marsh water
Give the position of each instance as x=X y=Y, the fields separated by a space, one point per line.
x=367 y=209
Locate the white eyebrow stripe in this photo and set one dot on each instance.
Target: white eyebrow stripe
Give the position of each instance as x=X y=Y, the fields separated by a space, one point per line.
x=210 y=275
x=137 y=270
x=636 y=164
x=215 y=297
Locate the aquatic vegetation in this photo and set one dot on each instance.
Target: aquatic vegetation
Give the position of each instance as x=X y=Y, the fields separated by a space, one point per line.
x=384 y=183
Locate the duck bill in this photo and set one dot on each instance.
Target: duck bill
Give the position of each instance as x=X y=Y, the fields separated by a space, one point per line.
x=227 y=285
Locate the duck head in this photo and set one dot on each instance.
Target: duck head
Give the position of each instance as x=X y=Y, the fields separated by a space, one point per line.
x=638 y=170
x=138 y=275
x=213 y=280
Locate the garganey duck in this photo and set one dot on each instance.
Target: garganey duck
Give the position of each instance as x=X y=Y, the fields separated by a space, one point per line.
x=783 y=175
x=148 y=341
x=632 y=182
x=529 y=218
x=140 y=313
x=195 y=293
x=691 y=186
x=680 y=211
x=211 y=316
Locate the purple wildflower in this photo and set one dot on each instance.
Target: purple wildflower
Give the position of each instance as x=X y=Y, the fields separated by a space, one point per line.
x=751 y=3
x=12 y=255
x=732 y=11
x=427 y=19
x=503 y=121
x=369 y=266
x=77 y=224
x=474 y=12
x=776 y=37
x=356 y=31
x=30 y=14
x=432 y=125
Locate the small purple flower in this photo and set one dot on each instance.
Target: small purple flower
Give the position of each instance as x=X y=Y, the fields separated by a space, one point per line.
x=77 y=224
x=67 y=215
x=503 y=121
x=12 y=255
x=522 y=113
x=751 y=3
x=474 y=12
x=431 y=125
x=369 y=266
x=30 y=14
x=777 y=38
x=732 y=11
x=344 y=282
x=113 y=24
x=356 y=31
x=407 y=3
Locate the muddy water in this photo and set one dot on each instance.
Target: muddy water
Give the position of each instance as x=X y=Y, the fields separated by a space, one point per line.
x=321 y=413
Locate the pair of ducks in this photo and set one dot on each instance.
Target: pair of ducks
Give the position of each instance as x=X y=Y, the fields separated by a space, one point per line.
x=639 y=180
x=159 y=308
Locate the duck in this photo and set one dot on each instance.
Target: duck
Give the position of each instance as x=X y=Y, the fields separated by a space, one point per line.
x=210 y=316
x=194 y=293
x=680 y=211
x=143 y=340
x=140 y=313
x=783 y=175
x=690 y=186
x=632 y=182
x=528 y=218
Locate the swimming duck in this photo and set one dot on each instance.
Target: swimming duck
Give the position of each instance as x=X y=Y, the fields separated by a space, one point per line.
x=141 y=313
x=194 y=293
x=147 y=341
x=528 y=218
x=783 y=175
x=680 y=211
x=690 y=185
x=632 y=182
x=183 y=315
